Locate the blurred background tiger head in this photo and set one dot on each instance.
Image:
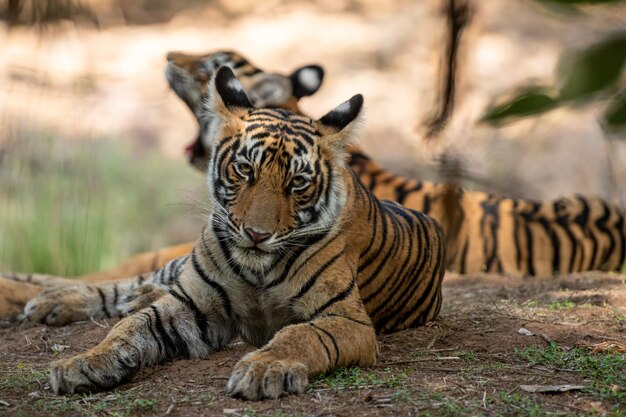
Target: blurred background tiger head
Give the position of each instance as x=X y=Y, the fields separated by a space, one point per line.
x=189 y=75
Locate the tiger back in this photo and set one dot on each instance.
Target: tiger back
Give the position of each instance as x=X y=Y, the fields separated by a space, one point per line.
x=493 y=233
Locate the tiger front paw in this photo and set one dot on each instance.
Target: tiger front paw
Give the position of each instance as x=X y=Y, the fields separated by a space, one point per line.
x=258 y=376
x=76 y=376
x=91 y=372
x=61 y=306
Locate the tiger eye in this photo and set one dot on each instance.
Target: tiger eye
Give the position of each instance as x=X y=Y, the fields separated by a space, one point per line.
x=243 y=168
x=299 y=182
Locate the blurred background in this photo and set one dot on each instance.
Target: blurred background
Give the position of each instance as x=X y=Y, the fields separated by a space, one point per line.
x=92 y=168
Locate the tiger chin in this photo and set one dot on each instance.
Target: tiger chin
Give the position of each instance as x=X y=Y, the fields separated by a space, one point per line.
x=296 y=258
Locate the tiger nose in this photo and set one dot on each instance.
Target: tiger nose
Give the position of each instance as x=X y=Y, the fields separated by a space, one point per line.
x=256 y=237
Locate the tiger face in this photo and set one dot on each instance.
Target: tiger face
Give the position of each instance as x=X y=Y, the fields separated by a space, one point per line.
x=189 y=76
x=274 y=176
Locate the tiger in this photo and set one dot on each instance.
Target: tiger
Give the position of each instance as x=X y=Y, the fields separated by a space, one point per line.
x=188 y=76
x=296 y=257
x=492 y=233
x=484 y=232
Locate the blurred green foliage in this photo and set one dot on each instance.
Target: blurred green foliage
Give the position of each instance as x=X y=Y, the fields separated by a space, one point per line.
x=69 y=208
x=616 y=114
x=570 y=6
x=529 y=101
x=579 y=2
x=590 y=75
x=592 y=70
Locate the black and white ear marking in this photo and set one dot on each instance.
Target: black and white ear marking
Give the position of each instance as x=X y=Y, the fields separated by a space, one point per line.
x=306 y=80
x=345 y=113
x=230 y=89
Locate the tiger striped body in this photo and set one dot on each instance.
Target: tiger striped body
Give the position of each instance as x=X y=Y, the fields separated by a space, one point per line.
x=491 y=233
x=293 y=246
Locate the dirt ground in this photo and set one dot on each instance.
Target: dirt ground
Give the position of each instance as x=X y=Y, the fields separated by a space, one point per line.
x=471 y=361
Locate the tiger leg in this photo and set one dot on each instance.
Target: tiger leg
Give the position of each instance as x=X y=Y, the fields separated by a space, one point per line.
x=300 y=351
x=15 y=295
x=173 y=327
x=68 y=304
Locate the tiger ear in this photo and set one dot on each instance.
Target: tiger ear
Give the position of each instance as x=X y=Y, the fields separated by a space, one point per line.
x=226 y=104
x=339 y=125
x=230 y=90
x=344 y=114
x=305 y=81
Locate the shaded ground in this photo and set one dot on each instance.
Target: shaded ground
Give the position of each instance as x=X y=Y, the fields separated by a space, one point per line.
x=471 y=361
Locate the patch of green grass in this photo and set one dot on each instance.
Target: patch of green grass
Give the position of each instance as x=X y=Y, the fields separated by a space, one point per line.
x=355 y=377
x=400 y=395
x=250 y=412
x=21 y=378
x=56 y=405
x=198 y=398
x=604 y=371
x=144 y=404
x=70 y=208
x=393 y=379
x=116 y=404
x=530 y=303
x=521 y=405
x=467 y=356
x=561 y=304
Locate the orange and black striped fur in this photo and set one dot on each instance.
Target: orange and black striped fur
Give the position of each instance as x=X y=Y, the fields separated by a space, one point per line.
x=483 y=232
x=491 y=233
x=297 y=258
x=188 y=75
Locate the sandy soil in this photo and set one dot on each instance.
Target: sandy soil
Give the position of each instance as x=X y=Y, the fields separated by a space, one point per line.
x=471 y=361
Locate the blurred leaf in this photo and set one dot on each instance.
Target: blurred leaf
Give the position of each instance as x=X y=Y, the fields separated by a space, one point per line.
x=529 y=102
x=582 y=2
x=594 y=69
x=615 y=116
x=571 y=7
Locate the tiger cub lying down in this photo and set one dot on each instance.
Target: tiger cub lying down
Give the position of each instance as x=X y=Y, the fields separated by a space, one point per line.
x=296 y=258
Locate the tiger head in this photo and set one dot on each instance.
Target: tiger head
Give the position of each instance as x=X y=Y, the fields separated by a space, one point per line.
x=276 y=179
x=189 y=76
